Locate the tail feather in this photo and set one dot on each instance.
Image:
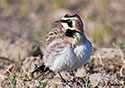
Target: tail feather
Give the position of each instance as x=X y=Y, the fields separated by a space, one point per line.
x=42 y=68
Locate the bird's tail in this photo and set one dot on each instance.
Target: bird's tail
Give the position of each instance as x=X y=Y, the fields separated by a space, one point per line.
x=41 y=68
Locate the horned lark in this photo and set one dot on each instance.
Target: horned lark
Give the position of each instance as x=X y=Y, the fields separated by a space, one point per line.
x=67 y=47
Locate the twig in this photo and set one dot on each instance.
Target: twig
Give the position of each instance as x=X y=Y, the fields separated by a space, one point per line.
x=3 y=76
x=122 y=58
x=100 y=59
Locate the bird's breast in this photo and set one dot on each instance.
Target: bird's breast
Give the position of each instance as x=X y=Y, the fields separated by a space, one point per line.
x=72 y=58
x=83 y=52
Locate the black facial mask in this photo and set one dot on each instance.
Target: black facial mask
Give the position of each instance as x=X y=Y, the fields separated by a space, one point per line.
x=70 y=33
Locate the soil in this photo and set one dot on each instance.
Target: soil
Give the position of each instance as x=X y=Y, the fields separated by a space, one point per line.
x=102 y=71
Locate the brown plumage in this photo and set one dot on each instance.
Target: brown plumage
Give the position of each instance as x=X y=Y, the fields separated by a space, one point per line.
x=68 y=35
x=66 y=46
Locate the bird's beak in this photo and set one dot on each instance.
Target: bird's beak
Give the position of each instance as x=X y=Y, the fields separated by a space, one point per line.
x=60 y=21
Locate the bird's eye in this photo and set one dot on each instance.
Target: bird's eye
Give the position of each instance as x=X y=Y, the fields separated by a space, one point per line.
x=70 y=23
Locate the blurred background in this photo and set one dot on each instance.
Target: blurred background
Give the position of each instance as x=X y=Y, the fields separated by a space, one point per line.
x=25 y=23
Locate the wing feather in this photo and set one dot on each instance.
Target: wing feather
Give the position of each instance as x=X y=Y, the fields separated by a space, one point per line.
x=54 y=45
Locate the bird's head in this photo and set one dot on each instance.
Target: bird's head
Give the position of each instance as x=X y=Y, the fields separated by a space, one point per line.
x=73 y=22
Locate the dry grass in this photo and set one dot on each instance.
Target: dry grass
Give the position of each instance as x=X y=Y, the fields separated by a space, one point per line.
x=122 y=59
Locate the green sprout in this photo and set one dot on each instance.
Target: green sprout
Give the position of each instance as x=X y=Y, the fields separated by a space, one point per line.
x=90 y=61
x=35 y=49
x=87 y=82
x=42 y=84
x=13 y=81
x=31 y=76
x=120 y=44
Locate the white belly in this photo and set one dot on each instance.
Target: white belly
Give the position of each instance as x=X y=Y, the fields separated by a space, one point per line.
x=72 y=58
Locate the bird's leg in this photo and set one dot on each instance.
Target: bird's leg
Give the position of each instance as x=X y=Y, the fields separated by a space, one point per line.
x=63 y=80
x=72 y=74
x=42 y=69
x=52 y=73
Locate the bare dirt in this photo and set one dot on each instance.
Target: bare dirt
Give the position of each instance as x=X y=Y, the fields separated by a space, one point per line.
x=102 y=71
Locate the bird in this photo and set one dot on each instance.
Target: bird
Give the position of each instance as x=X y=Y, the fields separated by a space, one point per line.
x=66 y=46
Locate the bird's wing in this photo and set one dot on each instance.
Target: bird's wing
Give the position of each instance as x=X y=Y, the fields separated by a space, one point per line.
x=54 y=45
x=54 y=34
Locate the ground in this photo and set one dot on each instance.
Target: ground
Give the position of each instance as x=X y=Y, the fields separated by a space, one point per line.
x=104 y=70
